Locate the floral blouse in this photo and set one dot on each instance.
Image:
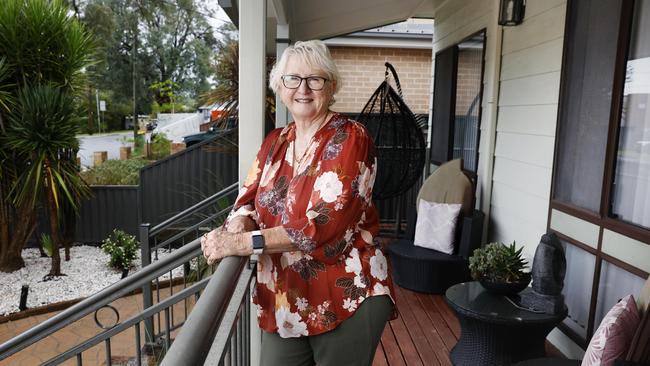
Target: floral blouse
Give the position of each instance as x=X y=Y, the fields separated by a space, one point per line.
x=327 y=211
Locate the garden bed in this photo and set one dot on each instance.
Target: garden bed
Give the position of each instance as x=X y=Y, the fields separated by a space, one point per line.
x=86 y=273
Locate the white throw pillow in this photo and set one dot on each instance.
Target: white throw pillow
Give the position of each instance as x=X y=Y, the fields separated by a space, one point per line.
x=436 y=225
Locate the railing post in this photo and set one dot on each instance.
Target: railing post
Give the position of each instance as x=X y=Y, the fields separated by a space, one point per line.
x=147 y=297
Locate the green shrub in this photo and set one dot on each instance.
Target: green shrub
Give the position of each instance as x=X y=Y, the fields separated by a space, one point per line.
x=122 y=248
x=160 y=146
x=115 y=172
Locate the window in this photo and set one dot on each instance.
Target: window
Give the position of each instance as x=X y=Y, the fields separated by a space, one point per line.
x=457 y=102
x=602 y=157
x=631 y=183
x=577 y=287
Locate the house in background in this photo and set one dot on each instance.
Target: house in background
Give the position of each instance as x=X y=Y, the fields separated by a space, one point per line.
x=558 y=131
x=360 y=57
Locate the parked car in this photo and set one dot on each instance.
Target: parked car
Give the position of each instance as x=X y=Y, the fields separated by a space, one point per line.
x=194 y=139
x=151 y=125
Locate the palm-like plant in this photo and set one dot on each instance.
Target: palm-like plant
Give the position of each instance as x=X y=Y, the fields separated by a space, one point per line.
x=46 y=51
x=42 y=129
x=44 y=44
x=226 y=91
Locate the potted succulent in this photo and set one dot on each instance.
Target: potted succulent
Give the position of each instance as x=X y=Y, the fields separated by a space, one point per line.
x=500 y=268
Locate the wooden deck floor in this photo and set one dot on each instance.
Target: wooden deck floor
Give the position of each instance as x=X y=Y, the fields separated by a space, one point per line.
x=423 y=334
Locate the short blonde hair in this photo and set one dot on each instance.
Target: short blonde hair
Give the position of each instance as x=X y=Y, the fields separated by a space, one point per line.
x=313 y=53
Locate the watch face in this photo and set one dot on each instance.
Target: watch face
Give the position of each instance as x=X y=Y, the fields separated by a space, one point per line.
x=258 y=241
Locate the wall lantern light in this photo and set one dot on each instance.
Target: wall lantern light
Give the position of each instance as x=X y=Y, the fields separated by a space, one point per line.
x=512 y=12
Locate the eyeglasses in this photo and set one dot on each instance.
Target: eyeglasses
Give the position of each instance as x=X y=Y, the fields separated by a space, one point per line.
x=294 y=81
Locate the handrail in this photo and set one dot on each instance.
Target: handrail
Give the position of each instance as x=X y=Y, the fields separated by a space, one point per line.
x=237 y=314
x=118 y=328
x=181 y=234
x=193 y=343
x=183 y=214
x=99 y=299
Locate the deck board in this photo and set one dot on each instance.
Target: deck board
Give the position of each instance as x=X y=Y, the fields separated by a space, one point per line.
x=447 y=336
x=390 y=347
x=423 y=334
x=380 y=357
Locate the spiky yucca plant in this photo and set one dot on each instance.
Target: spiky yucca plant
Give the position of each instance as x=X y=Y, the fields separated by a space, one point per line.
x=41 y=46
x=42 y=131
x=498 y=263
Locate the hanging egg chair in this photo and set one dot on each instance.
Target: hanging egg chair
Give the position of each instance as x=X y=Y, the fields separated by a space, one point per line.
x=398 y=137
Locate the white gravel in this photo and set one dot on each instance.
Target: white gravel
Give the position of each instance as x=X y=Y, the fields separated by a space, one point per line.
x=86 y=273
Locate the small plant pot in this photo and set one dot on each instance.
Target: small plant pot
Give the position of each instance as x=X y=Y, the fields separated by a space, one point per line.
x=506 y=288
x=125 y=272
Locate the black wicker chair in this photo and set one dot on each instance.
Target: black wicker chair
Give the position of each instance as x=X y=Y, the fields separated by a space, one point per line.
x=426 y=270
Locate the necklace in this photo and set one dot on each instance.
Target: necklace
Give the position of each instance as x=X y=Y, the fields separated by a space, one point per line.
x=298 y=161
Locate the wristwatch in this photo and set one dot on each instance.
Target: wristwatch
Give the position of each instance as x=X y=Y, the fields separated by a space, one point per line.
x=258 y=242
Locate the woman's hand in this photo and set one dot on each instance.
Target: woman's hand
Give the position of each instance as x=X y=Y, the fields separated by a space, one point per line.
x=218 y=244
x=241 y=224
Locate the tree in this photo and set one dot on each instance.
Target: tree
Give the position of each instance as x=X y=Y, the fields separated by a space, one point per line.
x=174 y=42
x=46 y=53
x=225 y=92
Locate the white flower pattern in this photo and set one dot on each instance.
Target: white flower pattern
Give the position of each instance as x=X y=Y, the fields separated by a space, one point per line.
x=350 y=305
x=378 y=265
x=301 y=303
x=329 y=186
x=353 y=263
x=266 y=272
x=290 y=325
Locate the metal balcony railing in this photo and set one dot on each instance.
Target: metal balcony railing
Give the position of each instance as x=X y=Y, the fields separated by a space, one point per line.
x=225 y=290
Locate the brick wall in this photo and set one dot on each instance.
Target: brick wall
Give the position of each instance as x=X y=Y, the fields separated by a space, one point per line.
x=362 y=70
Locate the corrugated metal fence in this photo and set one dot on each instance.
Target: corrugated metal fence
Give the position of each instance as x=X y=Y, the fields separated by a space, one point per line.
x=181 y=180
x=109 y=207
x=166 y=187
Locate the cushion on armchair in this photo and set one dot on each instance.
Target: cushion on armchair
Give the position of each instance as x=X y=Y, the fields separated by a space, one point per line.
x=436 y=225
x=614 y=334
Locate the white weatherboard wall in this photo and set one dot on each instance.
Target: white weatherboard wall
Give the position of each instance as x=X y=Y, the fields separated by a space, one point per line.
x=531 y=58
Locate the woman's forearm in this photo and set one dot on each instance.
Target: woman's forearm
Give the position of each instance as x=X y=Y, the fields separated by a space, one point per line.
x=276 y=240
x=218 y=244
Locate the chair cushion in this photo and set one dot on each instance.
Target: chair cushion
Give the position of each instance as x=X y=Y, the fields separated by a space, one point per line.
x=614 y=334
x=436 y=225
x=448 y=184
x=405 y=248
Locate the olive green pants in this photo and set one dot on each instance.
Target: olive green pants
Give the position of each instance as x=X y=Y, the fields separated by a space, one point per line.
x=353 y=342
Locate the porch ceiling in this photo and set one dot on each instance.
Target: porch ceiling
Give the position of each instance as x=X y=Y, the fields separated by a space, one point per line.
x=318 y=19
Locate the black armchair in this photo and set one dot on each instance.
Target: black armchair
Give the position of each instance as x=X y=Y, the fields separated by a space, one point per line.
x=426 y=270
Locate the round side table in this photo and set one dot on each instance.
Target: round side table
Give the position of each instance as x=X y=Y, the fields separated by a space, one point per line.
x=494 y=331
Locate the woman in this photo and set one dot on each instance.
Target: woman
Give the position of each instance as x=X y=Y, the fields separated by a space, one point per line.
x=323 y=290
